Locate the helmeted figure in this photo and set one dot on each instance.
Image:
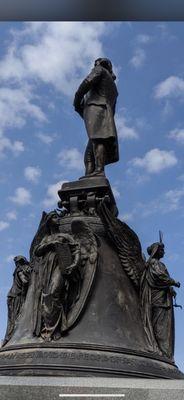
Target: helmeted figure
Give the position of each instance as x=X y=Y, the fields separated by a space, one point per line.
x=95 y=101
x=157 y=302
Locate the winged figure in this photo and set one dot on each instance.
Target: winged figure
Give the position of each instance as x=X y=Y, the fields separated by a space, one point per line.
x=127 y=244
x=64 y=269
x=88 y=242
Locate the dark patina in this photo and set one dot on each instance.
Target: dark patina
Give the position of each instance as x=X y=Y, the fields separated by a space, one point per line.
x=88 y=302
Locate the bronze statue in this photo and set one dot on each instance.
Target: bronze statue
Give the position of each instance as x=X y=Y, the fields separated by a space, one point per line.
x=92 y=295
x=65 y=266
x=17 y=293
x=157 y=301
x=151 y=279
x=95 y=101
x=59 y=256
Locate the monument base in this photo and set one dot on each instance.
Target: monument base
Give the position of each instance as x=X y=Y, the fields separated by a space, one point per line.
x=80 y=360
x=34 y=388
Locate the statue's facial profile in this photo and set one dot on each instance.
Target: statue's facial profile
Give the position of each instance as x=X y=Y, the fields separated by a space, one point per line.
x=161 y=251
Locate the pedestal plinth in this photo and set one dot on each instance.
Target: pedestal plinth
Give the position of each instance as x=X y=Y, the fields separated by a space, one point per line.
x=108 y=337
x=35 y=388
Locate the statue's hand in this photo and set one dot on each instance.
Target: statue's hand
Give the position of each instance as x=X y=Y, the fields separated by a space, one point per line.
x=70 y=269
x=177 y=284
x=173 y=292
x=78 y=104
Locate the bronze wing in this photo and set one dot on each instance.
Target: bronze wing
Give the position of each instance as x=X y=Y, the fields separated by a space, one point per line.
x=127 y=244
x=83 y=234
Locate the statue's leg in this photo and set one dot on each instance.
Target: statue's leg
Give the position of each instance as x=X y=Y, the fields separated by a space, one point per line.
x=89 y=159
x=99 y=154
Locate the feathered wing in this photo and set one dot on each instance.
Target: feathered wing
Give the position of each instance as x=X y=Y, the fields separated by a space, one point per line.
x=127 y=244
x=41 y=232
x=84 y=235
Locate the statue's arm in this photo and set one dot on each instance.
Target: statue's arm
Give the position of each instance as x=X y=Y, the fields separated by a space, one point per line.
x=85 y=86
x=76 y=254
x=162 y=276
x=43 y=247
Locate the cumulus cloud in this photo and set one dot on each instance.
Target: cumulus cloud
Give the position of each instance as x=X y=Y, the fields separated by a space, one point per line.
x=4 y=225
x=45 y=138
x=9 y=258
x=138 y=58
x=155 y=160
x=168 y=202
x=59 y=54
x=71 y=159
x=16 y=104
x=32 y=174
x=124 y=130
x=129 y=216
x=173 y=86
x=16 y=147
x=174 y=198
x=178 y=135
x=56 y=53
x=11 y=215
x=139 y=54
x=52 y=197
x=143 y=38
x=21 y=197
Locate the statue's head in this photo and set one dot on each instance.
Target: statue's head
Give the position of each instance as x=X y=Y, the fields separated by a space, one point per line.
x=104 y=62
x=52 y=222
x=156 y=250
x=20 y=260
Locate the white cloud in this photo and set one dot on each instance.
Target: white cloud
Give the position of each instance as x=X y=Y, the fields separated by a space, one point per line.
x=127 y=217
x=21 y=197
x=143 y=38
x=138 y=58
x=9 y=258
x=45 y=138
x=139 y=54
x=11 y=215
x=125 y=131
x=52 y=197
x=155 y=160
x=16 y=104
x=174 y=198
x=57 y=53
x=4 y=225
x=32 y=174
x=170 y=87
x=71 y=159
x=16 y=147
x=178 y=135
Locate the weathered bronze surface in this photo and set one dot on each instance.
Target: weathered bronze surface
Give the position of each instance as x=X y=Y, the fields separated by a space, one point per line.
x=88 y=303
x=95 y=101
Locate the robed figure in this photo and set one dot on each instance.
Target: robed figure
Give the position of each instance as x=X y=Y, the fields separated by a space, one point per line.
x=157 y=302
x=95 y=101
x=17 y=294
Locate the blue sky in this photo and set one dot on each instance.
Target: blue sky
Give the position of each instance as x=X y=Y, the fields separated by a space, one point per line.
x=42 y=139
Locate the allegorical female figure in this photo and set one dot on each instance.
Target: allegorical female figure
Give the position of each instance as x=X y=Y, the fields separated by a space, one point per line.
x=17 y=293
x=58 y=255
x=157 y=302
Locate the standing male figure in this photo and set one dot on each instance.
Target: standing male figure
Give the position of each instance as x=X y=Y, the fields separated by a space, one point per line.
x=95 y=101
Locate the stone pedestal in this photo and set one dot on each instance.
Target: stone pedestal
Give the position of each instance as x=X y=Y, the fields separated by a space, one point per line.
x=21 y=388
x=108 y=337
